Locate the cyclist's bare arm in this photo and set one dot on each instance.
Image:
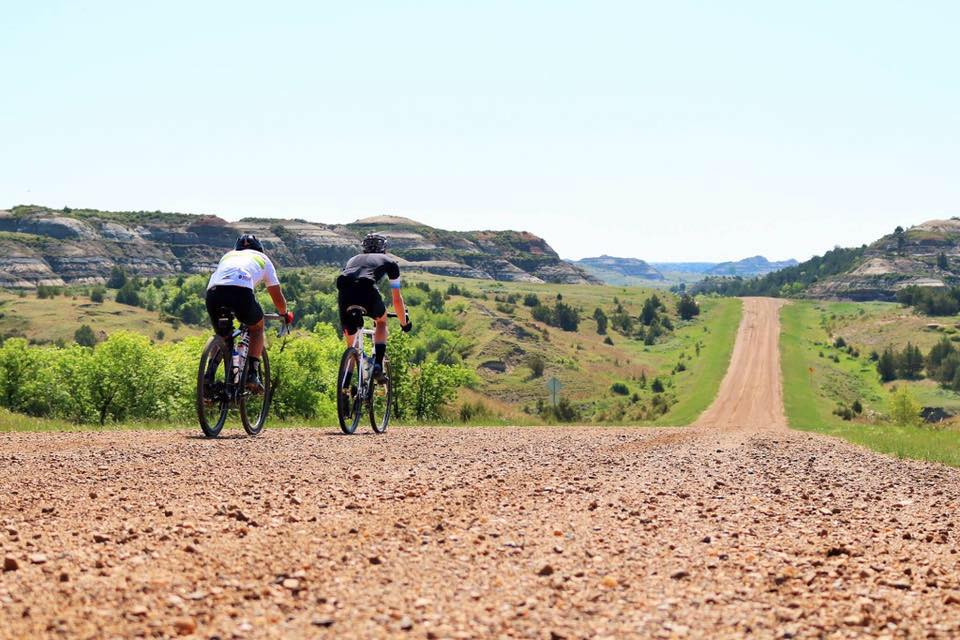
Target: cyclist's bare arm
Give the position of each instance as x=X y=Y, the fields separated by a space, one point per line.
x=398 y=303
x=278 y=300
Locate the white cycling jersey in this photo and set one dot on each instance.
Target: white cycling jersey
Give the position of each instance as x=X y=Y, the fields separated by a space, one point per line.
x=245 y=268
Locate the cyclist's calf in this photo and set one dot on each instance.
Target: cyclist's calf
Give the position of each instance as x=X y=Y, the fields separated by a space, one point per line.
x=256 y=339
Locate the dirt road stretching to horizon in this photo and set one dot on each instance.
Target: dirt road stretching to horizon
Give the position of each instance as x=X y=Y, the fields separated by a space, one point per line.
x=737 y=527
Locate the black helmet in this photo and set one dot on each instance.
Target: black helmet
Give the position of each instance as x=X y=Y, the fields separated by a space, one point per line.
x=249 y=241
x=374 y=243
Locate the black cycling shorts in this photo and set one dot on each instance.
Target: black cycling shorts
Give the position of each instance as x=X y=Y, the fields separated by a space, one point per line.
x=362 y=293
x=240 y=300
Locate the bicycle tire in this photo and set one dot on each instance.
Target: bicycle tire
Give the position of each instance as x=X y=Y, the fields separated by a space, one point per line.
x=348 y=404
x=377 y=404
x=253 y=426
x=211 y=429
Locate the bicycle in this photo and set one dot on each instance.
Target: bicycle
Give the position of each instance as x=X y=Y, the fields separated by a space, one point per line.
x=357 y=387
x=221 y=388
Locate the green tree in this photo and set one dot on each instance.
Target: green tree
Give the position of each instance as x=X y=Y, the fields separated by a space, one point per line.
x=910 y=362
x=433 y=388
x=687 y=307
x=118 y=278
x=565 y=316
x=887 y=365
x=942 y=261
x=435 y=301
x=651 y=306
x=127 y=294
x=601 y=319
x=904 y=410
x=96 y=294
x=84 y=336
x=305 y=374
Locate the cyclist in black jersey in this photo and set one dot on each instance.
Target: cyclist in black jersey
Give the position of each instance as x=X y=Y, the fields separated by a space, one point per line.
x=357 y=286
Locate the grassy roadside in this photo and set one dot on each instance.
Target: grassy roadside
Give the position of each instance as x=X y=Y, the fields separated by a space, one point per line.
x=814 y=385
x=698 y=386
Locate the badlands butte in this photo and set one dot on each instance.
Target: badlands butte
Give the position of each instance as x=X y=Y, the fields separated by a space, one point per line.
x=735 y=527
x=57 y=247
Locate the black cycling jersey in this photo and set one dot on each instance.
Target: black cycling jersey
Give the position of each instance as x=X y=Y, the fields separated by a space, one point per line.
x=371 y=266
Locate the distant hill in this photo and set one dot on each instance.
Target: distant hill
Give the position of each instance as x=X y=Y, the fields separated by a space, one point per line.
x=622 y=271
x=39 y=245
x=748 y=267
x=926 y=255
x=633 y=271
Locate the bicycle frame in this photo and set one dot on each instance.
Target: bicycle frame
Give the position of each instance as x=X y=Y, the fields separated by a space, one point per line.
x=240 y=335
x=365 y=359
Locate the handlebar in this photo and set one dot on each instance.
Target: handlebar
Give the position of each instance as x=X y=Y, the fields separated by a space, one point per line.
x=284 y=329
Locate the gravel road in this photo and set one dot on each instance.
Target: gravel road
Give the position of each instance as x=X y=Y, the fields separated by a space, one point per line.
x=737 y=527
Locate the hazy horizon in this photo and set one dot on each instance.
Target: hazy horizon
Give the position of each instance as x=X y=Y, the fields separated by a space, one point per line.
x=670 y=133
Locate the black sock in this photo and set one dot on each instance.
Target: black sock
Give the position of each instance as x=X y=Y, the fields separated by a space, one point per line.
x=379 y=350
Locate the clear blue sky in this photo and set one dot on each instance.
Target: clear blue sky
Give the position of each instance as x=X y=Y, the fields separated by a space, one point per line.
x=659 y=130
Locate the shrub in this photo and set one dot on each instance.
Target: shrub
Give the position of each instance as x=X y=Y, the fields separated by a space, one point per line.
x=96 y=294
x=840 y=343
x=477 y=410
x=435 y=301
x=531 y=300
x=657 y=386
x=857 y=407
x=563 y=412
x=537 y=365
x=45 y=292
x=620 y=389
x=904 y=410
x=601 y=319
x=687 y=307
x=844 y=412
x=84 y=336
x=127 y=294
x=118 y=278
x=608 y=340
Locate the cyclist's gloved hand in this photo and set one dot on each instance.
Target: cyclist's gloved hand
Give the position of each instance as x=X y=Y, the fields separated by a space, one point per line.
x=288 y=317
x=407 y=327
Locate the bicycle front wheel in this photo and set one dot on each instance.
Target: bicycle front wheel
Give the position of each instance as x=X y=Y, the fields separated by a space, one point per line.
x=381 y=401
x=212 y=400
x=254 y=405
x=348 y=391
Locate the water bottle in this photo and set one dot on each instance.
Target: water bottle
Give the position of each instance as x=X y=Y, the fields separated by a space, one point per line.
x=236 y=366
x=239 y=355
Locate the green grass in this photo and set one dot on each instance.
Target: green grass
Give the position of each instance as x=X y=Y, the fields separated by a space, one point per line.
x=698 y=386
x=57 y=318
x=811 y=396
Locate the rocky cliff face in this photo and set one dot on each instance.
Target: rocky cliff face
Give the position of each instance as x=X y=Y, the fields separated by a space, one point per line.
x=925 y=255
x=42 y=246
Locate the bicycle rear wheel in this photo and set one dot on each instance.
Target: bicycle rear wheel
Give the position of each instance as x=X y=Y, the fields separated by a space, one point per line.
x=212 y=401
x=381 y=401
x=255 y=406
x=348 y=391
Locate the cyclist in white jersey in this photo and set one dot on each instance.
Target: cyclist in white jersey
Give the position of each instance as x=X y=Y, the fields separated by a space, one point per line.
x=231 y=288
